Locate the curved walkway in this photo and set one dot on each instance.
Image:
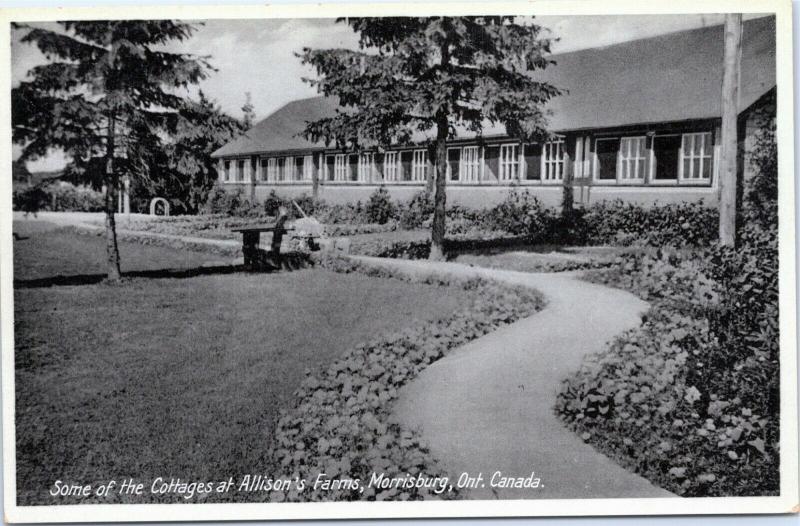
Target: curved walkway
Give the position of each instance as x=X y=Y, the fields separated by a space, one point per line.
x=488 y=406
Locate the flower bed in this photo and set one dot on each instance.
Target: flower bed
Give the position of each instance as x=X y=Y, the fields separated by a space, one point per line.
x=691 y=399
x=340 y=424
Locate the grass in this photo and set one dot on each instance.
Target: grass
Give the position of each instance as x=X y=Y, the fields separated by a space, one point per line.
x=177 y=377
x=47 y=251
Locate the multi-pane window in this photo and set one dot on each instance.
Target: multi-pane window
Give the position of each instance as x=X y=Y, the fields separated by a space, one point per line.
x=272 y=169
x=470 y=164
x=419 y=165
x=553 y=161
x=632 y=158
x=391 y=166
x=240 y=170
x=308 y=167
x=509 y=162
x=288 y=169
x=340 y=167
x=697 y=152
x=365 y=163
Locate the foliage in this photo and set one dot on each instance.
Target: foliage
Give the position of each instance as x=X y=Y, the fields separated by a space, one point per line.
x=416 y=211
x=61 y=196
x=622 y=223
x=520 y=214
x=762 y=194
x=379 y=208
x=106 y=97
x=431 y=74
x=30 y=199
x=340 y=423
x=183 y=171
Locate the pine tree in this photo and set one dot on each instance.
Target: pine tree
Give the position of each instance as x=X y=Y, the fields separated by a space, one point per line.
x=106 y=97
x=433 y=75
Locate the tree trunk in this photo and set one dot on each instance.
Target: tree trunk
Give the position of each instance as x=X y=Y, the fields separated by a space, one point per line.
x=568 y=197
x=112 y=249
x=439 y=196
x=315 y=178
x=730 y=112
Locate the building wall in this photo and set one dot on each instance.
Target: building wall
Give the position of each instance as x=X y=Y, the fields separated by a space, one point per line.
x=580 y=164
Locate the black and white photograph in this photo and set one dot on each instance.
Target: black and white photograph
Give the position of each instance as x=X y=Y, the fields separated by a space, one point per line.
x=431 y=260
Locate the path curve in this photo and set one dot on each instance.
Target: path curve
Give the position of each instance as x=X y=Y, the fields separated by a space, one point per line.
x=488 y=406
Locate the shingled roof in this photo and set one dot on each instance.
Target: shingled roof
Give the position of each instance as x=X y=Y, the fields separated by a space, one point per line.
x=667 y=78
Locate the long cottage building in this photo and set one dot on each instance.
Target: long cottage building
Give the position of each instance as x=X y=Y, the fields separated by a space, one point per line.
x=638 y=121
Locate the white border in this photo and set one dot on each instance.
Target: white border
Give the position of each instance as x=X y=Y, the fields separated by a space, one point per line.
x=786 y=503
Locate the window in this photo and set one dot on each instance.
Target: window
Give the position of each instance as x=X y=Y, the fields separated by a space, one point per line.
x=419 y=166
x=288 y=168
x=340 y=167
x=667 y=155
x=391 y=166
x=606 y=151
x=365 y=164
x=470 y=164
x=240 y=170
x=272 y=169
x=632 y=158
x=308 y=168
x=226 y=171
x=553 y=161
x=697 y=154
x=453 y=164
x=509 y=162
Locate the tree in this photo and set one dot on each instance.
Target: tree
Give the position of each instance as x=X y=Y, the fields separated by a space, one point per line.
x=183 y=169
x=730 y=114
x=434 y=74
x=106 y=97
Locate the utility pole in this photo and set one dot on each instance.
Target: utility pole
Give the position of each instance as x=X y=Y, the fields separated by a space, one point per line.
x=730 y=114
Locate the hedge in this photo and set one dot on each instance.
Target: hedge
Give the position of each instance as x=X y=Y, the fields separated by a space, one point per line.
x=340 y=422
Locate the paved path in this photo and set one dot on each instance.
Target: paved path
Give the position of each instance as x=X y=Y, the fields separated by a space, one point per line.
x=488 y=406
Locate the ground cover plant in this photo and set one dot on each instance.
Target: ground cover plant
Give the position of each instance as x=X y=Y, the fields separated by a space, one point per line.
x=340 y=424
x=189 y=377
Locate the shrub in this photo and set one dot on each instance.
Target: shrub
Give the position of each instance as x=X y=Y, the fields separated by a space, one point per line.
x=380 y=208
x=417 y=210
x=620 y=223
x=700 y=378
x=59 y=197
x=340 y=423
x=520 y=214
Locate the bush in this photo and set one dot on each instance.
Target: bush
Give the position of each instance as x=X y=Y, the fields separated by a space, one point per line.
x=417 y=210
x=58 y=197
x=520 y=214
x=620 y=223
x=340 y=423
x=380 y=208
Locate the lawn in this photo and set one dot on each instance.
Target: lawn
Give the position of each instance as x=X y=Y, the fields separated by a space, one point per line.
x=178 y=377
x=46 y=251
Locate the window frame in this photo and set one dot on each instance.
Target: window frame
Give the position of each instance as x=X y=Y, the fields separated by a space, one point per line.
x=419 y=168
x=507 y=162
x=366 y=162
x=340 y=169
x=391 y=166
x=559 y=163
x=710 y=157
x=466 y=166
x=632 y=161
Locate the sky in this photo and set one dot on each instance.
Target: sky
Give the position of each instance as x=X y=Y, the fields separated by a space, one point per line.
x=258 y=56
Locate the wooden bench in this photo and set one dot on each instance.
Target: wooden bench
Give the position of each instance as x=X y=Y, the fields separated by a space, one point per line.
x=251 y=237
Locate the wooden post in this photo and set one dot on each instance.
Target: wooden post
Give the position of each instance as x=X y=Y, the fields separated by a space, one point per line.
x=730 y=112
x=568 y=198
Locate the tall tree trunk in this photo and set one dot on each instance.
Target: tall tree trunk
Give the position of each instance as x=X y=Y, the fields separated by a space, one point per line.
x=439 y=196
x=112 y=249
x=730 y=113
